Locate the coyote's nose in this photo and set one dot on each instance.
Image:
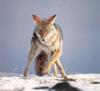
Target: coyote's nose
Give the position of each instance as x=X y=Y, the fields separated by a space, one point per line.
x=43 y=39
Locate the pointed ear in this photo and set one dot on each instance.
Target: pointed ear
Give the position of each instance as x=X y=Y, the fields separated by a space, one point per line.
x=51 y=19
x=36 y=19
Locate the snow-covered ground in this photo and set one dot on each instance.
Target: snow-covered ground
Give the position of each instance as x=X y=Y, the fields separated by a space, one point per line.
x=15 y=82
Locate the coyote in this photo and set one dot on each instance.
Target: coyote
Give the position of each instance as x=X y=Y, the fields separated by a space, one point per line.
x=46 y=47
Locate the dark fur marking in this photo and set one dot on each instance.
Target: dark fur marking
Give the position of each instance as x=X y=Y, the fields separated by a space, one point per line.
x=40 y=62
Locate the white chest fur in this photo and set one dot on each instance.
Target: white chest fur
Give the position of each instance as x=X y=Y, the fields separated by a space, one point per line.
x=51 y=42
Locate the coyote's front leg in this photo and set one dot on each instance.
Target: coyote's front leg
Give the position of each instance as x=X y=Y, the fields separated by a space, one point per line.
x=34 y=51
x=54 y=58
x=60 y=68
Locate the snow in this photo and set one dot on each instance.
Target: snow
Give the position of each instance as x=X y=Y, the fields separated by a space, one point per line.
x=16 y=82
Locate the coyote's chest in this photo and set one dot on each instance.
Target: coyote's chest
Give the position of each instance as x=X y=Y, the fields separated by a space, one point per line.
x=50 y=44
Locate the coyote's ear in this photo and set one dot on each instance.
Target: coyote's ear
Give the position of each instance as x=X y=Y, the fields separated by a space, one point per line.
x=51 y=19
x=36 y=19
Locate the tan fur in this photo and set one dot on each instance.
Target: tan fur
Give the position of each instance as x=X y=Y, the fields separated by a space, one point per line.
x=46 y=47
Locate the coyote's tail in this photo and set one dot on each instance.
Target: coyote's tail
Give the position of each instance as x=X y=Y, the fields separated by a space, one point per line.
x=40 y=62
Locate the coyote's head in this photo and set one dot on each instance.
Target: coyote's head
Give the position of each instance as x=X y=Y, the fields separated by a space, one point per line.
x=44 y=27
